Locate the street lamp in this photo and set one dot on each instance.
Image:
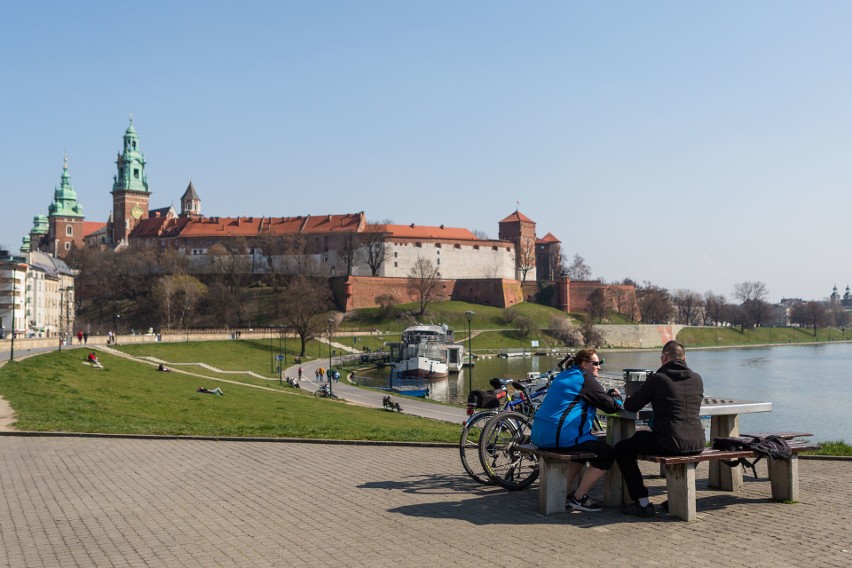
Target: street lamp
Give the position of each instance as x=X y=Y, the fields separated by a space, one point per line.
x=330 y=321
x=469 y=315
x=116 y=319
x=14 y=300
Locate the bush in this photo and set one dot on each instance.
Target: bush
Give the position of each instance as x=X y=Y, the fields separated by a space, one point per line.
x=525 y=326
x=508 y=316
x=566 y=331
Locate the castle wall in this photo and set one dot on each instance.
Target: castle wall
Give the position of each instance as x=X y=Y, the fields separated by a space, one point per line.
x=453 y=259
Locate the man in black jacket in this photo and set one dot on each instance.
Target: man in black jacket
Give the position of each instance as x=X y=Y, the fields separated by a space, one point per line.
x=675 y=393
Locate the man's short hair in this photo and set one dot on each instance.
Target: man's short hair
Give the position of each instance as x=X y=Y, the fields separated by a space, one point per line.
x=674 y=350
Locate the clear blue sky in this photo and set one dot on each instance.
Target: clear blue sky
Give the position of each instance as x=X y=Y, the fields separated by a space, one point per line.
x=690 y=144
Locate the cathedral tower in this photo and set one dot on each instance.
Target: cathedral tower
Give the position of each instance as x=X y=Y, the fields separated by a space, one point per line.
x=520 y=229
x=130 y=195
x=64 y=219
x=190 y=203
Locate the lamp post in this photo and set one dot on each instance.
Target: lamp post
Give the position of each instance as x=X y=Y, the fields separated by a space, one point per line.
x=469 y=315
x=61 y=328
x=116 y=319
x=14 y=300
x=330 y=321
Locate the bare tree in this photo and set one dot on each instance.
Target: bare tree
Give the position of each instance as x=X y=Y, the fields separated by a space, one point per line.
x=752 y=299
x=655 y=303
x=230 y=264
x=424 y=283
x=689 y=306
x=714 y=308
x=480 y=234
x=386 y=304
x=525 y=258
x=578 y=269
x=374 y=239
x=566 y=331
x=811 y=314
x=306 y=300
x=598 y=304
x=179 y=293
x=351 y=251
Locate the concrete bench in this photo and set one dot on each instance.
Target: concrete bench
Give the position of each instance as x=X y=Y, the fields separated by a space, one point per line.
x=680 y=474
x=553 y=475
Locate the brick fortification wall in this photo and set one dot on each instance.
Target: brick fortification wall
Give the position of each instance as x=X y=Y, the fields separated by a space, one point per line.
x=361 y=291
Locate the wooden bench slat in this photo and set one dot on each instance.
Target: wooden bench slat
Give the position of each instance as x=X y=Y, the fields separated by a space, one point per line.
x=710 y=454
x=557 y=455
x=785 y=435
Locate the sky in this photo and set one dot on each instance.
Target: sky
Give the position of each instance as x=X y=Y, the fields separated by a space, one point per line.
x=692 y=145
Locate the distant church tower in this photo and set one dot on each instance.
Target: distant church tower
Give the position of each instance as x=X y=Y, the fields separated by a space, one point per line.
x=64 y=219
x=190 y=203
x=130 y=195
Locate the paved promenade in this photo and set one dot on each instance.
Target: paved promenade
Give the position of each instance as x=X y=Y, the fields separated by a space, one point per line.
x=67 y=501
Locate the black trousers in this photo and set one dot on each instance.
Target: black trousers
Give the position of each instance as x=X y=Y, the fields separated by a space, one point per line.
x=644 y=442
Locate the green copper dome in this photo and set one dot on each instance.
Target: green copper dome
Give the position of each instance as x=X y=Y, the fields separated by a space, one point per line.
x=131 y=164
x=40 y=225
x=65 y=198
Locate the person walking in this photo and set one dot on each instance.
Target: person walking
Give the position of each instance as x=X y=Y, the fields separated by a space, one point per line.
x=675 y=393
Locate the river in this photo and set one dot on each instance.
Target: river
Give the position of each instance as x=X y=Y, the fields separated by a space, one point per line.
x=808 y=385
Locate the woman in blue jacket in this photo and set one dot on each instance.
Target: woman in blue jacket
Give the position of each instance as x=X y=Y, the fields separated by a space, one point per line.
x=565 y=419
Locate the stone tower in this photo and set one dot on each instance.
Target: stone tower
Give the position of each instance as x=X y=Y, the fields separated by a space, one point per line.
x=64 y=218
x=520 y=229
x=130 y=195
x=190 y=203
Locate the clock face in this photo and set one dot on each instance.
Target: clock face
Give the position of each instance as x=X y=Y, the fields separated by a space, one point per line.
x=136 y=212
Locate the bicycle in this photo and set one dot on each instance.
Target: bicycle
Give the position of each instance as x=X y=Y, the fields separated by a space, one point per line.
x=472 y=428
x=324 y=392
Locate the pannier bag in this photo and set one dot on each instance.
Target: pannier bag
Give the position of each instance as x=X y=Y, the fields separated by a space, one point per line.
x=486 y=399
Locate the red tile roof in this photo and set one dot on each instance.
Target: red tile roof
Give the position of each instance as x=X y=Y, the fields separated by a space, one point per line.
x=426 y=232
x=548 y=238
x=517 y=216
x=188 y=227
x=90 y=227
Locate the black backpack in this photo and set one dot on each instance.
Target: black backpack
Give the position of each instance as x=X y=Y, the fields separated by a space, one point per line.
x=772 y=447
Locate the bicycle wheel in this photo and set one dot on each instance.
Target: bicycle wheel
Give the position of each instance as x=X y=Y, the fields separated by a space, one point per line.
x=319 y=393
x=469 y=446
x=498 y=453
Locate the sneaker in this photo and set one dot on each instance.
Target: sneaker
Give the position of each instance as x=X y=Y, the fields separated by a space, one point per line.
x=586 y=503
x=638 y=510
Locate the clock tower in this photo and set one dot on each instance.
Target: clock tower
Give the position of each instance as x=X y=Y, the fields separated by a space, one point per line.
x=130 y=195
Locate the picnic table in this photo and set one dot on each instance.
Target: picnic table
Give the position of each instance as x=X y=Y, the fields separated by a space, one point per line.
x=724 y=422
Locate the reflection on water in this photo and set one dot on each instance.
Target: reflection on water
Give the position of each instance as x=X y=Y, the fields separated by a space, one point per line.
x=807 y=384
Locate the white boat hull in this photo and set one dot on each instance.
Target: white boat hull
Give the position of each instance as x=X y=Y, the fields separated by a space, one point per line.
x=422 y=367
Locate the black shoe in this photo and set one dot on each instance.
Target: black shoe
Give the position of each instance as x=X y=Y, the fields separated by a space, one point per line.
x=664 y=505
x=638 y=510
x=585 y=503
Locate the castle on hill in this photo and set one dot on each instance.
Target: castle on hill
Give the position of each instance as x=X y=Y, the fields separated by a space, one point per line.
x=362 y=260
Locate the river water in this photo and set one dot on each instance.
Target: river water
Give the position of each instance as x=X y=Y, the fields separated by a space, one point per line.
x=808 y=385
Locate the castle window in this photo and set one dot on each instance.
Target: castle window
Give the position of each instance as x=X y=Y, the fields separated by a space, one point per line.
x=418 y=245
x=67 y=246
x=395 y=264
x=475 y=247
x=456 y=246
x=134 y=144
x=437 y=245
x=439 y=261
x=69 y=230
x=395 y=254
x=136 y=173
x=494 y=248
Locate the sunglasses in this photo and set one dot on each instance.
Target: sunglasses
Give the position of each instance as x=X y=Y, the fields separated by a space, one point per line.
x=596 y=363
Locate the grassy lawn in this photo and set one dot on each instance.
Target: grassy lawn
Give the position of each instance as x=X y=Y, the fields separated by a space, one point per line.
x=732 y=337
x=58 y=392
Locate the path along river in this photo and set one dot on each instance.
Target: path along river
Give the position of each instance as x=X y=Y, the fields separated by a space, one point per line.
x=810 y=386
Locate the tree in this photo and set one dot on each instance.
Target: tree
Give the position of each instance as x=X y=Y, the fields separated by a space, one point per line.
x=714 y=308
x=480 y=234
x=386 y=304
x=689 y=306
x=374 y=240
x=598 y=304
x=525 y=257
x=655 y=303
x=578 y=269
x=591 y=336
x=752 y=296
x=424 y=283
x=306 y=300
x=566 y=331
x=525 y=326
x=811 y=314
x=178 y=293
